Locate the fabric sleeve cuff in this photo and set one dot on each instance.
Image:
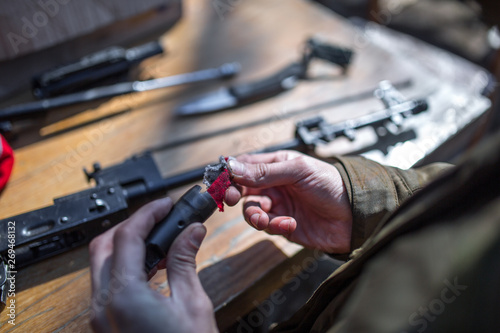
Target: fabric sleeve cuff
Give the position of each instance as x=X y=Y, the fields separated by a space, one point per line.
x=371 y=192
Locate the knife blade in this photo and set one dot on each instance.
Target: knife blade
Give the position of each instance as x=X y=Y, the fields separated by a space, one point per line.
x=245 y=93
x=285 y=79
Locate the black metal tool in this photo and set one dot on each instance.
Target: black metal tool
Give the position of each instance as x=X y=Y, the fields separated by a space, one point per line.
x=91 y=69
x=285 y=79
x=193 y=206
x=23 y=110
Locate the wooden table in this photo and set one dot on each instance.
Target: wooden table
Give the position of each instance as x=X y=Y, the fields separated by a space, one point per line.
x=237 y=264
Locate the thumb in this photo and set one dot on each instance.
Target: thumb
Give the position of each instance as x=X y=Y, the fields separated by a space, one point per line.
x=181 y=261
x=265 y=175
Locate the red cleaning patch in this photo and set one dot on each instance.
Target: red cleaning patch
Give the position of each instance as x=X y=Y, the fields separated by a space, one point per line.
x=218 y=188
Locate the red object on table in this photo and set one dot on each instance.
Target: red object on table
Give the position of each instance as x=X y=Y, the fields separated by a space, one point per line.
x=6 y=162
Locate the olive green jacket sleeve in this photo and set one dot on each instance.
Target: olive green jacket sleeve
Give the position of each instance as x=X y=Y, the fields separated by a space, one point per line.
x=375 y=190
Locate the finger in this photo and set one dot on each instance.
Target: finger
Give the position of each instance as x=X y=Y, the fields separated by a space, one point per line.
x=101 y=297
x=235 y=192
x=265 y=175
x=281 y=225
x=129 y=248
x=257 y=213
x=100 y=250
x=233 y=195
x=181 y=262
x=255 y=210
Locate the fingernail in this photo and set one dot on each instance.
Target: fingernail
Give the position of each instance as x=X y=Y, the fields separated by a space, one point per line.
x=254 y=219
x=237 y=168
x=285 y=225
x=197 y=235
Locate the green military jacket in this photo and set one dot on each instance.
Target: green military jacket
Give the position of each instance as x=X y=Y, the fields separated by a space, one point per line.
x=426 y=255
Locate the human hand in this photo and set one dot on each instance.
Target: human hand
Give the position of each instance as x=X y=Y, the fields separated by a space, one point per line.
x=122 y=300
x=294 y=195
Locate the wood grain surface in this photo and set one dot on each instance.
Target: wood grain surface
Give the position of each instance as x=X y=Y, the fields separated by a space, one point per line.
x=234 y=260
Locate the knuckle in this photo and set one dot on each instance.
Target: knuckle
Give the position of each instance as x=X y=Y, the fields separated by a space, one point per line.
x=95 y=245
x=124 y=232
x=183 y=260
x=261 y=171
x=302 y=161
x=304 y=164
x=284 y=155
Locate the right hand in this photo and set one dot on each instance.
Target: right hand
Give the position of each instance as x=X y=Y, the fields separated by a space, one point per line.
x=291 y=194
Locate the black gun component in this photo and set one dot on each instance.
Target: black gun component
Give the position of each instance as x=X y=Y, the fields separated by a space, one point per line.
x=193 y=206
x=91 y=69
x=316 y=131
x=334 y=54
x=27 y=109
x=283 y=80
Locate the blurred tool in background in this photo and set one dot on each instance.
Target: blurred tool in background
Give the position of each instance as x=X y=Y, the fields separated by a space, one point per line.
x=285 y=79
x=92 y=70
x=21 y=111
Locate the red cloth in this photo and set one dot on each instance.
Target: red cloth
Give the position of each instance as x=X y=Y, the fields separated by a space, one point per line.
x=6 y=162
x=218 y=188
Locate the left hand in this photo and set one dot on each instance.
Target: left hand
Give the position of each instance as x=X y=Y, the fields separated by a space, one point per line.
x=122 y=300
x=291 y=194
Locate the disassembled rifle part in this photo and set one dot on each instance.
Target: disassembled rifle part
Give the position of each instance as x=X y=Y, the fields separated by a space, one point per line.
x=317 y=131
x=226 y=70
x=285 y=79
x=91 y=69
x=193 y=206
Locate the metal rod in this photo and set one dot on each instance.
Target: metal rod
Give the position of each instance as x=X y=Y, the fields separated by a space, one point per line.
x=22 y=110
